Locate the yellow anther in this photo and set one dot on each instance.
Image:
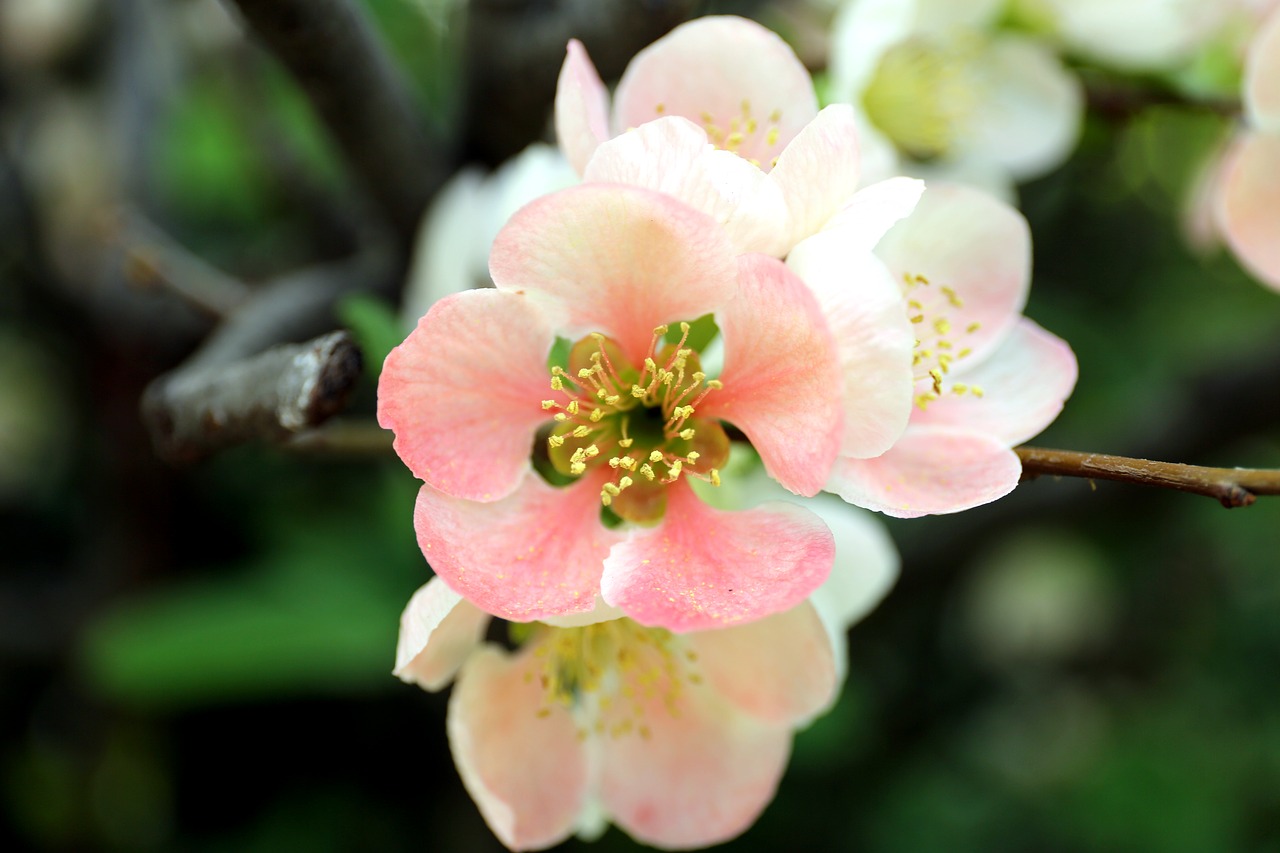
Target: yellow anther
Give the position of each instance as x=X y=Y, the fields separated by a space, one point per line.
x=919 y=318
x=715 y=476
x=674 y=469
x=613 y=399
x=693 y=456
x=771 y=137
x=581 y=431
x=616 y=461
x=625 y=442
x=605 y=498
x=687 y=434
x=659 y=331
x=936 y=376
x=637 y=391
x=585 y=373
x=941 y=325
x=557 y=384
x=596 y=415
x=715 y=384
x=976 y=391
x=577 y=468
x=628 y=463
x=560 y=416
x=624 y=482
x=660 y=109
x=959 y=388
x=555 y=440
x=548 y=404
x=964 y=353
x=611 y=489
x=646 y=471
x=572 y=408
x=591 y=451
x=734 y=140
x=698 y=377
x=973 y=327
x=579 y=455
x=655 y=456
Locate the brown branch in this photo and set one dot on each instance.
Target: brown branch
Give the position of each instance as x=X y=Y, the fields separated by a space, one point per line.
x=1233 y=487
x=271 y=395
x=360 y=95
x=343 y=438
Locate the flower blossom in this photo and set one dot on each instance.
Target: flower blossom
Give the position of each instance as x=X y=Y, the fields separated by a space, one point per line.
x=986 y=378
x=721 y=114
x=627 y=417
x=680 y=739
x=1247 y=188
x=938 y=92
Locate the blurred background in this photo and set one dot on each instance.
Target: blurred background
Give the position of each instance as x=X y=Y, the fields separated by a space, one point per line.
x=196 y=641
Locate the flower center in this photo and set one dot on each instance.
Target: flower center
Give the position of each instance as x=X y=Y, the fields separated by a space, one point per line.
x=617 y=668
x=641 y=423
x=923 y=93
x=936 y=351
x=743 y=133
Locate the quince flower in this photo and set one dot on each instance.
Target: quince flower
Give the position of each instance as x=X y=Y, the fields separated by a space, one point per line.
x=721 y=114
x=1136 y=35
x=937 y=92
x=680 y=739
x=987 y=378
x=1248 y=185
x=627 y=417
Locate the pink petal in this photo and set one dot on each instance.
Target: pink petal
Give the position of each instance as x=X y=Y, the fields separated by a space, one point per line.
x=698 y=778
x=527 y=773
x=781 y=365
x=817 y=173
x=780 y=668
x=931 y=470
x=973 y=243
x=706 y=70
x=438 y=630
x=614 y=259
x=534 y=554
x=1249 y=204
x=863 y=306
x=1024 y=384
x=463 y=393
x=582 y=107
x=671 y=155
x=703 y=568
x=1262 y=76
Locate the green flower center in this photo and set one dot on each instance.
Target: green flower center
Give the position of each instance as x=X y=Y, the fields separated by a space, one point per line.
x=639 y=422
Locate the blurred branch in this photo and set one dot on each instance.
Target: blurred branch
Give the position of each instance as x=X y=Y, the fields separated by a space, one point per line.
x=154 y=259
x=343 y=438
x=271 y=395
x=515 y=49
x=331 y=49
x=1121 y=100
x=1233 y=487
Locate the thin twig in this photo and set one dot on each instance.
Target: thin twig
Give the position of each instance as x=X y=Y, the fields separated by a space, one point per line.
x=343 y=438
x=1233 y=487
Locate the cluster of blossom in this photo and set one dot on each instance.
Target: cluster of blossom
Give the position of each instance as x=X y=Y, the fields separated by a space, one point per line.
x=623 y=443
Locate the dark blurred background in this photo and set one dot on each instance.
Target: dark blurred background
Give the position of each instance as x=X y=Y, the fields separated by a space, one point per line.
x=196 y=656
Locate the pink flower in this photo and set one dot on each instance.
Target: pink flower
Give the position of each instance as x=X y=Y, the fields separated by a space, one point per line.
x=986 y=378
x=627 y=419
x=723 y=116
x=1248 y=187
x=678 y=739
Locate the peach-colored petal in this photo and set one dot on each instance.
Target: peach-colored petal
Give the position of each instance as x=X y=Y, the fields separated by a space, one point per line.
x=463 y=393
x=703 y=568
x=698 y=778
x=438 y=630
x=780 y=668
x=781 y=365
x=1249 y=204
x=931 y=470
x=863 y=306
x=672 y=155
x=526 y=772
x=582 y=107
x=1024 y=384
x=817 y=173
x=614 y=259
x=707 y=70
x=533 y=554
x=976 y=245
